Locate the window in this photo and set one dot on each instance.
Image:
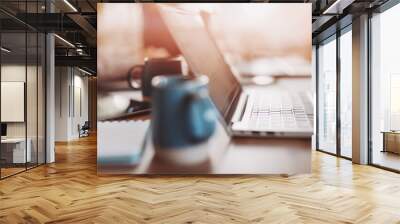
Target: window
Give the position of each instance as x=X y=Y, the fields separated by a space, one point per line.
x=327 y=96
x=346 y=92
x=22 y=77
x=394 y=102
x=385 y=89
x=331 y=78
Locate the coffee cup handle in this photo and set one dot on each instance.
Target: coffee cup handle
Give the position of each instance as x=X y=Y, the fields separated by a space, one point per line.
x=134 y=82
x=200 y=117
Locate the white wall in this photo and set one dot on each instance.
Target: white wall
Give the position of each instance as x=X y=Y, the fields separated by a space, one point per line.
x=62 y=81
x=79 y=117
x=11 y=73
x=33 y=126
x=14 y=72
x=71 y=102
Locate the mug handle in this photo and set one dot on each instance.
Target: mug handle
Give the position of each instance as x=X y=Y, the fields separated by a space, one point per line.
x=200 y=116
x=134 y=82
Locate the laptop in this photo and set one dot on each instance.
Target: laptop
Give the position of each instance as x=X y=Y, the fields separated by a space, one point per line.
x=3 y=131
x=267 y=112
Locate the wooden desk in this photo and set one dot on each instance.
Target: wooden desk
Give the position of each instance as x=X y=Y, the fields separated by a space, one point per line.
x=17 y=151
x=235 y=156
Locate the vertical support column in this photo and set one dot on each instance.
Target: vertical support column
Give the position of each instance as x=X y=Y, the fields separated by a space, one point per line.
x=338 y=95
x=0 y=99
x=360 y=90
x=316 y=108
x=50 y=92
x=314 y=81
x=92 y=99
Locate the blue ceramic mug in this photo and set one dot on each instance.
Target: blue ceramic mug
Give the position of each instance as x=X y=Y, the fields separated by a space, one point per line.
x=183 y=115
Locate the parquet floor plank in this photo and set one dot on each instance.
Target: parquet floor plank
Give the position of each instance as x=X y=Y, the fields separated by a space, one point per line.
x=69 y=191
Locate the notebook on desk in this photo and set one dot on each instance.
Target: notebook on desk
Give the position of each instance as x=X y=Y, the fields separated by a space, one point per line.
x=121 y=143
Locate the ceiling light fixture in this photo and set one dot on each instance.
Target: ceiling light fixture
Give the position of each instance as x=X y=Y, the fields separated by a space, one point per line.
x=337 y=7
x=64 y=40
x=79 y=51
x=84 y=71
x=70 y=5
x=5 y=50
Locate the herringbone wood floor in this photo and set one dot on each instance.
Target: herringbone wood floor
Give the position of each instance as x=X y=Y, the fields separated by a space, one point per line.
x=69 y=191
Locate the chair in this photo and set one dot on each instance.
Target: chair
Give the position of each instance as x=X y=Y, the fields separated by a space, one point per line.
x=84 y=130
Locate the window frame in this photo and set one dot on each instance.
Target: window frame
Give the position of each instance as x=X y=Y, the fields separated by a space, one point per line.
x=333 y=37
x=378 y=10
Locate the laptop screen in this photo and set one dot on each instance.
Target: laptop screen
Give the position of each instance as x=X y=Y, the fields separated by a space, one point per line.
x=3 y=129
x=203 y=56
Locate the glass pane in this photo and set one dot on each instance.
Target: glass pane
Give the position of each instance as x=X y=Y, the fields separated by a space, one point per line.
x=385 y=83
x=41 y=79
x=327 y=96
x=23 y=89
x=31 y=97
x=346 y=94
x=41 y=98
x=32 y=86
x=13 y=86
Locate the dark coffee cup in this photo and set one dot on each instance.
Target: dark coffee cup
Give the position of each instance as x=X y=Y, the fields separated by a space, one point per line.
x=182 y=117
x=140 y=76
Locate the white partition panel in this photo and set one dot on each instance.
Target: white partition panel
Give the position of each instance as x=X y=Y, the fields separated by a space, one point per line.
x=12 y=101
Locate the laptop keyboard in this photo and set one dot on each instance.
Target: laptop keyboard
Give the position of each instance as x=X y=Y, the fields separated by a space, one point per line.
x=281 y=111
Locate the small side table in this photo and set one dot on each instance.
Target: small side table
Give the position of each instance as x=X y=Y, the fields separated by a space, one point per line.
x=391 y=141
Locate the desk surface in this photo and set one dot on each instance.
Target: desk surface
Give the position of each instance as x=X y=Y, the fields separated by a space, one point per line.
x=13 y=140
x=232 y=156
x=391 y=132
x=237 y=155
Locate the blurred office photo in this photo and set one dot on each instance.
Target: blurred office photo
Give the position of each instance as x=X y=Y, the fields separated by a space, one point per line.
x=206 y=88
